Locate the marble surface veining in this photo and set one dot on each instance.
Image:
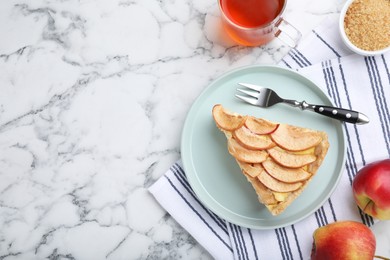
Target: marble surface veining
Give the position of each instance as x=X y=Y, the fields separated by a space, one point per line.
x=93 y=96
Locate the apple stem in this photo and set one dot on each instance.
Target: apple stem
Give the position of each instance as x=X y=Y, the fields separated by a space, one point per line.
x=381 y=257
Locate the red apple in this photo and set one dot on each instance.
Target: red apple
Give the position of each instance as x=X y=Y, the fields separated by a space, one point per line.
x=343 y=240
x=371 y=189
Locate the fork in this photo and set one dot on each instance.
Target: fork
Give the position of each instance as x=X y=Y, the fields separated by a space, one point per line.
x=265 y=97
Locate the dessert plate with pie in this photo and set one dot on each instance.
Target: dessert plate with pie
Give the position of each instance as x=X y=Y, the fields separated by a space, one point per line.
x=261 y=168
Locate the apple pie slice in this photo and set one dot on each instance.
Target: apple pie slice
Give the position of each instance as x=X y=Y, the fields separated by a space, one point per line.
x=279 y=160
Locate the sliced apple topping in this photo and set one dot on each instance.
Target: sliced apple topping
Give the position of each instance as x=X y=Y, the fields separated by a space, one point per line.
x=260 y=126
x=290 y=160
x=251 y=140
x=265 y=195
x=284 y=174
x=226 y=120
x=294 y=138
x=246 y=155
x=275 y=185
x=251 y=169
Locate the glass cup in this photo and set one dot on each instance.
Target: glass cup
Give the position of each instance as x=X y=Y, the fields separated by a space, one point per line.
x=257 y=22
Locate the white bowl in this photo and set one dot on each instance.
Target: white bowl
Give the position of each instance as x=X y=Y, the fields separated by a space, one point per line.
x=347 y=42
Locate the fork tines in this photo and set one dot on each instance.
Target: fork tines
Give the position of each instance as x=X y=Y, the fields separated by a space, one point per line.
x=251 y=93
x=251 y=86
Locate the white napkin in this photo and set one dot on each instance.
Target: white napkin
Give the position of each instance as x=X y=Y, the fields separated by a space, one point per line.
x=352 y=81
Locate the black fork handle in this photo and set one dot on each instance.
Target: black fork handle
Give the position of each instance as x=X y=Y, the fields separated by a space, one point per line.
x=345 y=115
x=342 y=114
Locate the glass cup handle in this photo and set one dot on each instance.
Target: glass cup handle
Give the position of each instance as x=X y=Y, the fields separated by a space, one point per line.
x=287 y=33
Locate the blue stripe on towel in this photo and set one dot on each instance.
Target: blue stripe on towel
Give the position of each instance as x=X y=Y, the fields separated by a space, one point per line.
x=385 y=67
x=236 y=242
x=301 y=62
x=281 y=249
x=287 y=64
x=332 y=209
x=302 y=59
x=238 y=231
x=253 y=244
x=297 y=242
x=284 y=233
x=326 y=43
x=307 y=62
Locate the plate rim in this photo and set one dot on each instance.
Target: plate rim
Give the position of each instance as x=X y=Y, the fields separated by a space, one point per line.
x=186 y=163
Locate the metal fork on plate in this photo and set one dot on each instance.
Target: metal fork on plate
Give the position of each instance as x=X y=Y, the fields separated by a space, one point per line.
x=265 y=97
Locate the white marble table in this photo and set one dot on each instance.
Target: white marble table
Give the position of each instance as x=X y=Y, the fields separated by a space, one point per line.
x=93 y=96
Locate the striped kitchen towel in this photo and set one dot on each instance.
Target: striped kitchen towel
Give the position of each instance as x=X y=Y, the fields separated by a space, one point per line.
x=352 y=81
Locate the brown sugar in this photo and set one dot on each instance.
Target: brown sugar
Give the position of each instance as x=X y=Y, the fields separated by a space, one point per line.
x=367 y=24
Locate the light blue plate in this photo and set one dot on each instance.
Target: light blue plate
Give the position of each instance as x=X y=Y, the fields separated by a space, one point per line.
x=213 y=173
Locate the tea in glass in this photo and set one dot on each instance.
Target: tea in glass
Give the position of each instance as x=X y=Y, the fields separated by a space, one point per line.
x=254 y=22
